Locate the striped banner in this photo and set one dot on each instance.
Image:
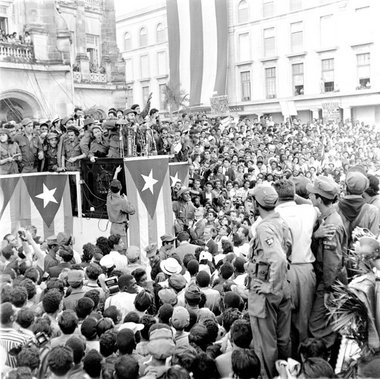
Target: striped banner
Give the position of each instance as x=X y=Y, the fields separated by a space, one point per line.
x=148 y=189
x=40 y=199
x=179 y=172
x=198 y=35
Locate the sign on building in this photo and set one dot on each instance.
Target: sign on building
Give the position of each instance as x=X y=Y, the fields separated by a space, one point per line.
x=219 y=105
x=331 y=112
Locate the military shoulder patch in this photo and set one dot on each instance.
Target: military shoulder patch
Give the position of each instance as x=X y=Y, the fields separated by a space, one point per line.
x=269 y=241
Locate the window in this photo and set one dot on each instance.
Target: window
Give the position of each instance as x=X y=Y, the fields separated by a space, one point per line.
x=362 y=23
x=160 y=33
x=92 y=47
x=327 y=30
x=128 y=70
x=243 y=11
x=161 y=63
x=297 y=73
x=296 y=36
x=328 y=74
x=162 y=92
x=270 y=82
x=129 y=96
x=244 y=48
x=364 y=70
x=269 y=43
x=127 y=42
x=295 y=5
x=143 y=37
x=245 y=79
x=144 y=67
x=268 y=8
x=145 y=93
x=4 y=23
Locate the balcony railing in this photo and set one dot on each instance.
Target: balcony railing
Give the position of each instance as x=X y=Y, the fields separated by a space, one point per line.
x=94 y=78
x=93 y=4
x=12 y=52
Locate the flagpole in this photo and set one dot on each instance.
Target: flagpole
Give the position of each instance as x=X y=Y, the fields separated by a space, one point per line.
x=79 y=200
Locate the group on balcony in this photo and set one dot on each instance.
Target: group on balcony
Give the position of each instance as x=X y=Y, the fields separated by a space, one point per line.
x=13 y=38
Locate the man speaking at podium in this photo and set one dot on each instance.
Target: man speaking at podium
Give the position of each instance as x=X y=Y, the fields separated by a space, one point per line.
x=118 y=208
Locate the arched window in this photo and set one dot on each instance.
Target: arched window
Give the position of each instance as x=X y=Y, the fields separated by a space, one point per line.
x=143 y=37
x=127 y=41
x=243 y=11
x=161 y=35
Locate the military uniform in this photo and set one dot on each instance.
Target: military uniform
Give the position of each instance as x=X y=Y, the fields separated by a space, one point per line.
x=51 y=158
x=99 y=149
x=118 y=209
x=8 y=150
x=270 y=313
x=71 y=150
x=29 y=148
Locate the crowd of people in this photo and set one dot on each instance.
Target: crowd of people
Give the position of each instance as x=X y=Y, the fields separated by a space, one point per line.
x=13 y=38
x=240 y=289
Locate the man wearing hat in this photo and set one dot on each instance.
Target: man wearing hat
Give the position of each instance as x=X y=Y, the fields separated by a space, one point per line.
x=353 y=208
x=168 y=246
x=85 y=139
x=142 y=114
x=50 y=259
x=329 y=253
x=9 y=154
x=183 y=210
x=30 y=146
x=51 y=152
x=75 y=279
x=112 y=114
x=269 y=302
x=118 y=208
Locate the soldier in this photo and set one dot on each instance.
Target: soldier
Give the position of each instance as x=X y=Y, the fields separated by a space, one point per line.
x=9 y=154
x=51 y=152
x=30 y=146
x=269 y=302
x=329 y=251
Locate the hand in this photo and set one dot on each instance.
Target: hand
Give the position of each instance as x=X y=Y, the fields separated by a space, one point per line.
x=150 y=96
x=326 y=298
x=40 y=155
x=93 y=159
x=325 y=231
x=262 y=288
x=72 y=159
x=10 y=159
x=118 y=169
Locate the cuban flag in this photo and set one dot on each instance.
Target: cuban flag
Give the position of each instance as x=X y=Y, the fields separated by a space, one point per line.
x=179 y=172
x=198 y=35
x=40 y=199
x=148 y=189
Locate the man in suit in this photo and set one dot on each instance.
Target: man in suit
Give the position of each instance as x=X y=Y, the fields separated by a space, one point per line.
x=209 y=242
x=185 y=247
x=67 y=254
x=197 y=228
x=227 y=170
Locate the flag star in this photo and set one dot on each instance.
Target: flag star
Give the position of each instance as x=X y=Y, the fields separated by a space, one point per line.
x=149 y=182
x=175 y=179
x=47 y=195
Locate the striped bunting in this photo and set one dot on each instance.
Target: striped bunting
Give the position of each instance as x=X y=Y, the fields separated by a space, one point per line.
x=198 y=34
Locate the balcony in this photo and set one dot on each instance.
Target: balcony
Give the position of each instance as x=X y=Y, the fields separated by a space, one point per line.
x=94 y=78
x=17 y=53
x=93 y=5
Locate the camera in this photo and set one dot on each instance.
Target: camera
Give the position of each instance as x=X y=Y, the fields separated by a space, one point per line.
x=41 y=339
x=112 y=285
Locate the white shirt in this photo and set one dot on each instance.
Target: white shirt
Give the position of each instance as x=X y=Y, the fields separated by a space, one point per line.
x=123 y=301
x=120 y=261
x=301 y=220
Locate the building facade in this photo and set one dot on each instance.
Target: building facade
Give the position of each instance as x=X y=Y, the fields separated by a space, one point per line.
x=71 y=58
x=318 y=58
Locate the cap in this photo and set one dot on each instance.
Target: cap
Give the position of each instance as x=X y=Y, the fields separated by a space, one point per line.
x=168 y=296
x=26 y=121
x=73 y=129
x=111 y=110
x=177 y=282
x=55 y=119
x=182 y=191
x=161 y=345
x=128 y=111
x=52 y=135
x=193 y=292
x=88 y=121
x=52 y=240
x=167 y=238
x=205 y=255
x=133 y=253
x=170 y=266
x=151 y=250
x=356 y=182
x=132 y=326
x=65 y=119
x=75 y=276
x=96 y=126
x=324 y=186
x=109 y=124
x=116 y=184
x=266 y=196
x=63 y=238
x=180 y=318
x=107 y=261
